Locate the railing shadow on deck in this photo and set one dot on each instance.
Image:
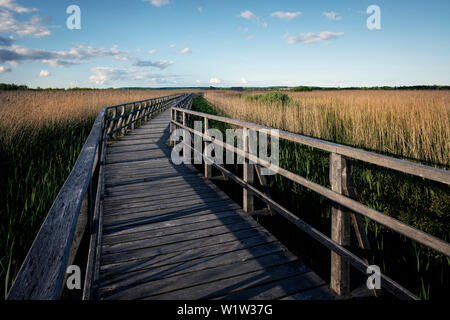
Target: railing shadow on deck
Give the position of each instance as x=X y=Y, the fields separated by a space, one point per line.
x=138 y=267
x=340 y=194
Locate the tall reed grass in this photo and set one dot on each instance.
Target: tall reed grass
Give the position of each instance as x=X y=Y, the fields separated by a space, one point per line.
x=41 y=135
x=406 y=124
x=410 y=124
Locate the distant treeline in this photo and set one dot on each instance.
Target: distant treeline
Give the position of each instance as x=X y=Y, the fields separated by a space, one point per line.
x=12 y=86
x=423 y=87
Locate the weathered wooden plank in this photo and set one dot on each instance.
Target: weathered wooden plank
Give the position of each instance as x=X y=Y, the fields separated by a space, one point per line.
x=170 y=227
x=165 y=203
x=194 y=265
x=138 y=241
x=188 y=286
x=187 y=255
x=319 y=293
x=145 y=218
x=171 y=206
x=181 y=246
x=279 y=288
x=42 y=273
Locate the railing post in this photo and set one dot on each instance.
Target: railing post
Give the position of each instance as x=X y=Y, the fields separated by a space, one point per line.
x=133 y=116
x=340 y=227
x=172 y=126
x=122 y=120
x=208 y=168
x=248 y=178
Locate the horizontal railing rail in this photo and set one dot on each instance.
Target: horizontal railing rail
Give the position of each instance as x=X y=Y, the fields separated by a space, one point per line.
x=339 y=179
x=78 y=207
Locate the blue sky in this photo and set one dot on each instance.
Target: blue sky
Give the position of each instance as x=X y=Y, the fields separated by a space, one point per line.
x=155 y=43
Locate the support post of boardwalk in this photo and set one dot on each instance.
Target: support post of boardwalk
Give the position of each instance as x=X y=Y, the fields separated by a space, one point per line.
x=340 y=226
x=172 y=112
x=248 y=178
x=208 y=168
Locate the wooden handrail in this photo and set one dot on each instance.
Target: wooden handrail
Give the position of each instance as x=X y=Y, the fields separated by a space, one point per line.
x=42 y=274
x=338 y=175
x=409 y=167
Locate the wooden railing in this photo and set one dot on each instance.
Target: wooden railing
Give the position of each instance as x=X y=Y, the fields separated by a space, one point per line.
x=78 y=207
x=340 y=194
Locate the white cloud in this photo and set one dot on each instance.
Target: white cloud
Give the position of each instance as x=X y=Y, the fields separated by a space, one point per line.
x=3 y=69
x=244 y=81
x=286 y=15
x=173 y=45
x=12 y=6
x=247 y=14
x=44 y=73
x=103 y=75
x=311 y=37
x=332 y=16
x=74 y=56
x=185 y=50
x=152 y=51
x=161 y=64
x=215 y=81
x=34 y=27
x=158 y=3
x=197 y=81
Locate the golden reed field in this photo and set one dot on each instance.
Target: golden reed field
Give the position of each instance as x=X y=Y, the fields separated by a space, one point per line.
x=412 y=124
x=38 y=108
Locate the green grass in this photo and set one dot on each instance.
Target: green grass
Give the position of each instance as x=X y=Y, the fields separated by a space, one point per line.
x=33 y=168
x=413 y=200
x=273 y=97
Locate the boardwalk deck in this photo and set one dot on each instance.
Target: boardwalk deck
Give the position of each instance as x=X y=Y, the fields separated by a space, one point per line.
x=169 y=233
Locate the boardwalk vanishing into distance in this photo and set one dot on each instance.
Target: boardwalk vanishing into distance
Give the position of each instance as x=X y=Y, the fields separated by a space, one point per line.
x=149 y=229
x=169 y=233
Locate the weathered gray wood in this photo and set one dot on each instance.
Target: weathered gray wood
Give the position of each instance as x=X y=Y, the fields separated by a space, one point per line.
x=319 y=293
x=340 y=228
x=208 y=168
x=280 y=288
x=177 y=257
x=394 y=224
x=154 y=272
x=248 y=177
x=271 y=267
x=180 y=246
x=42 y=273
x=409 y=167
x=138 y=241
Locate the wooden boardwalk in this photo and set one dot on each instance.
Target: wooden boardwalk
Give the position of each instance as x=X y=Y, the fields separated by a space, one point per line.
x=169 y=233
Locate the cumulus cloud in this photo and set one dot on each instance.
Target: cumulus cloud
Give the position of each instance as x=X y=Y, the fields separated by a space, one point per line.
x=215 y=81
x=44 y=73
x=161 y=64
x=3 y=69
x=152 y=51
x=185 y=50
x=74 y=56
x=332 y=16
x=311 y=37
x=33 y=27
x=286 y=15
x=103 y=75
x=6 y=42
x=158 y=3
x=13 y=6
x=172 y=45
x=247 y=14
x=244 y=81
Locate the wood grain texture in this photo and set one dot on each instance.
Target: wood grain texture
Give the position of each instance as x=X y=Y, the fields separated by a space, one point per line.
x=169 y=232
